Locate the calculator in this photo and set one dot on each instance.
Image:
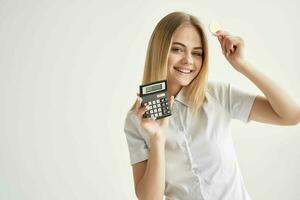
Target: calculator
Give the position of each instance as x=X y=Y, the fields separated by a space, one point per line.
x=155 y=96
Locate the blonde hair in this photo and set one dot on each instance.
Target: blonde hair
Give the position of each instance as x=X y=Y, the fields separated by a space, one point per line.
x=155 y=68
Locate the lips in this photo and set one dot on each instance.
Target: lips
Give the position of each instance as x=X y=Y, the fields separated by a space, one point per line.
x=183 y=70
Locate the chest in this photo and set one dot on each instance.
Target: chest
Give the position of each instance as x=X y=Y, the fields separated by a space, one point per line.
x=199 y=145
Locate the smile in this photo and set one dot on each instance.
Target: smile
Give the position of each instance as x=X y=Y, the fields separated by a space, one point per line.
x=183 y=70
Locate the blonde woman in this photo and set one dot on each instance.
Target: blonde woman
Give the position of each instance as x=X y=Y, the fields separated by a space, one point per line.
x=190 y=155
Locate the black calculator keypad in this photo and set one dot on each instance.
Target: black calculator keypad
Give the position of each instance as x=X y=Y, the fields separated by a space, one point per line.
x=157 y=108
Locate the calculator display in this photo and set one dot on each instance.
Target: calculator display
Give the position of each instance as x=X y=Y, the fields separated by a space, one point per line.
x=154 y=88
x=155 y=96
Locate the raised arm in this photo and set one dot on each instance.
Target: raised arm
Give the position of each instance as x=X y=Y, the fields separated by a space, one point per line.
x=276 y=106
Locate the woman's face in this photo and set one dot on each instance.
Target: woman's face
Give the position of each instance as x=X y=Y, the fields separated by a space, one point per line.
x=185 y=56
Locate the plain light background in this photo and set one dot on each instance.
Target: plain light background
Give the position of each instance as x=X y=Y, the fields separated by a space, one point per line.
x=69 y=71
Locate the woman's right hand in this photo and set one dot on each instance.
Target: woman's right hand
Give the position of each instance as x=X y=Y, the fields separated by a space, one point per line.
x=153 y=127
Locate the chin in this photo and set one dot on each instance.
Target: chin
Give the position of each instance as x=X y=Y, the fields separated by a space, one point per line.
x=183 y=82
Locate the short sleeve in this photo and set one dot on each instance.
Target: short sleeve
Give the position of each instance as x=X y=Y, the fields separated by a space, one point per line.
x=236 y=102
x=239 y=103
x=138 y=149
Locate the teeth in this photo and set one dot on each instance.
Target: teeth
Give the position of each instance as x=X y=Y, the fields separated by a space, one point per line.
x=183 y=70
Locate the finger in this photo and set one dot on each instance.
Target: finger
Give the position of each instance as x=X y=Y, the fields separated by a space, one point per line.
x=238 y=42
x=142 y=111
x=227 y=46
x=222 y=33
x=151 y=119
x=138 y=103
x=224 y=45
x=235 y=43
x=145 y=120
x=220 y=38
x=231 y=48
x=171 y=101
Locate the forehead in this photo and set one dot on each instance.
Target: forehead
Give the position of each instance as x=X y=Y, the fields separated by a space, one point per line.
x=187 y=34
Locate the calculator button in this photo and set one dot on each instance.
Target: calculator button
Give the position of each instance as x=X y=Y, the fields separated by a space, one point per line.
x=153 y=102
x=157 y=101
x=159 y=109
x=150 y=107
x=158 y=105
x=160 y=114
x=155 y=110
x=154 y=106
x=151 y=111
x=163 y=104
x=167 y=103
x=149 y=103
x=156 y=114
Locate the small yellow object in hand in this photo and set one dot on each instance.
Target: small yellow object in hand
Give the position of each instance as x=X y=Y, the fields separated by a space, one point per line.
x=214 y=27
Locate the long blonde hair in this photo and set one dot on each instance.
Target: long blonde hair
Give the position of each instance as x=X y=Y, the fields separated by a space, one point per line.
x=155 y=68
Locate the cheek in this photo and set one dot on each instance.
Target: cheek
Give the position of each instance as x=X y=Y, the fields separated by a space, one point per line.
x=199 y=65
x=173 y=59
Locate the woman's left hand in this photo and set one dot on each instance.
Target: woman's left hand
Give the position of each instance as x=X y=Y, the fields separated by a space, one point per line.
x=233 y=48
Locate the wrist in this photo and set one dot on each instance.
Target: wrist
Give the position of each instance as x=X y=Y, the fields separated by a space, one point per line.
x=157 y=139
x=241 y=66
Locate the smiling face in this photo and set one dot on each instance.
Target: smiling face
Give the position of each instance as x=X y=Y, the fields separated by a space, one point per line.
x=185 y=57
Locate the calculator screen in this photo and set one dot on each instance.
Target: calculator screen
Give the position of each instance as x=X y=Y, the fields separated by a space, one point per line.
x=154 y=88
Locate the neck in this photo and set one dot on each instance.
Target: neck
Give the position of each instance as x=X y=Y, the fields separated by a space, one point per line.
x=173 y=89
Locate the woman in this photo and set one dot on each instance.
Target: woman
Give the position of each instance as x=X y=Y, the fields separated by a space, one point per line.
x=190 y=155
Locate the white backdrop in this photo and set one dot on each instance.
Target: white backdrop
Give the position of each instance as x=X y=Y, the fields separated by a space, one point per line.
x=69 y=71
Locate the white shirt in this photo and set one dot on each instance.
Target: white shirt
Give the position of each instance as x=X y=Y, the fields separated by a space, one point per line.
x=201 y=163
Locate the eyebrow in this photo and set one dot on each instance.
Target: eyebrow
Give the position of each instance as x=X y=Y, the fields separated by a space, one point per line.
x=185 y=46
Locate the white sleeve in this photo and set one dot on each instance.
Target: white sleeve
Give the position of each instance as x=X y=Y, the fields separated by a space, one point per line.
x=138 y=149
x=239 y=103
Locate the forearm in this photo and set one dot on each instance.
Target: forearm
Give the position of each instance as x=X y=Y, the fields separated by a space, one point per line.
x=152 y=185
x=279 y=99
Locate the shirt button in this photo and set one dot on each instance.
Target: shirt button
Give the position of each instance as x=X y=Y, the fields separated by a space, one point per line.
x=196 y=181
x=195 y=170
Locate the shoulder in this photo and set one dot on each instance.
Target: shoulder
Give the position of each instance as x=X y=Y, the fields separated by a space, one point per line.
x=130 y=119
x=132 y=128
x=218 y=89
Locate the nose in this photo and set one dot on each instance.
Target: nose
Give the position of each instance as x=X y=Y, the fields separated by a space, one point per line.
x=188 y=59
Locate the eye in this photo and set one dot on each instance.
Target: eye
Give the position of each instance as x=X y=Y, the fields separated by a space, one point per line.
x=200 y=54
x=176 y=49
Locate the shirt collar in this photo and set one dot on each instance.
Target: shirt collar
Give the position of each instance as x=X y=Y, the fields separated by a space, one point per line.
x=180 y=97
